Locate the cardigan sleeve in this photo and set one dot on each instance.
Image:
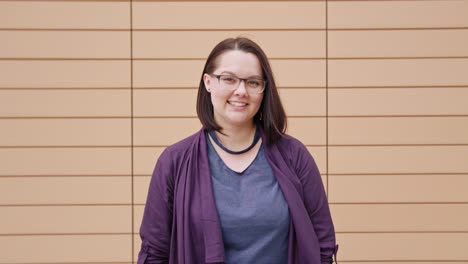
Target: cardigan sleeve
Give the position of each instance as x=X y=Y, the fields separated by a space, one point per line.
x=155 y=230
x=316 y=203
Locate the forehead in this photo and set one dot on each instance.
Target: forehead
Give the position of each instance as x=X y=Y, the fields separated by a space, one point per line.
x=239 y=62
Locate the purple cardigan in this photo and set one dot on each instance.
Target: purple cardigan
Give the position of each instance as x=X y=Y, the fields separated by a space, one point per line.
x=180 y=222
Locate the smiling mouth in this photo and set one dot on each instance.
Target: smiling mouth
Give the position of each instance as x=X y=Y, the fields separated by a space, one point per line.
x=237 y=103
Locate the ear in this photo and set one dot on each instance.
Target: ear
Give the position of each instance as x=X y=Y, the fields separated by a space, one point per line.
x=207 y=81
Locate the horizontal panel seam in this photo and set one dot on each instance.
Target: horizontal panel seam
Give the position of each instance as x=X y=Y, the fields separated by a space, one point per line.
x=141 y=88
x=194 y=29
x=194 y=117
x=308 y=145
x=405 y=232
x=67 y=204
x=164 y=29
x=396 y=174
x=192 y=87
x=130 y=233
x=65 y=234
x=66 y=176
x=386 y=203
x=272 y=58
x=91 y=262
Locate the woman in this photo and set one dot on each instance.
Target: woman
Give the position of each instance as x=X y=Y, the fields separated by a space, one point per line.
x=239 y=190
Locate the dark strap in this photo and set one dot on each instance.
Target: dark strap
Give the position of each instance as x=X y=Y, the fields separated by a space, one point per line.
x=254 y=142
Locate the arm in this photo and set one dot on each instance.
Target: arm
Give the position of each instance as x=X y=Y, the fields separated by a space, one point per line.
x=155 y=230
x=316 y=203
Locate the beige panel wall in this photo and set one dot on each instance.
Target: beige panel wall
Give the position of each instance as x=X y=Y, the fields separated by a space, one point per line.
x=397 y=144
x=91 y=92
x=66 y=135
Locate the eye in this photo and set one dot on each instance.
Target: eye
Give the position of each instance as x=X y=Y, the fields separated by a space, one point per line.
x=228 y=79
x=254 y=83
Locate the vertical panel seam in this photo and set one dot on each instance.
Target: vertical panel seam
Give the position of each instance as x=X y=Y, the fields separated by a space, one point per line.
x=326 y=97
x=131 y=137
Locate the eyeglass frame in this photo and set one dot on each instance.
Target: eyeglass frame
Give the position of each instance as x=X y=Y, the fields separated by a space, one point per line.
x=218 y=76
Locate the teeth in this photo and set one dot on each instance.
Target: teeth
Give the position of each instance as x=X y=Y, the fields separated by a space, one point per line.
x=237 y=104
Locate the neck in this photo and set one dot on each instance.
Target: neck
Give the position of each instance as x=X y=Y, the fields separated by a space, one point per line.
x=236 y=137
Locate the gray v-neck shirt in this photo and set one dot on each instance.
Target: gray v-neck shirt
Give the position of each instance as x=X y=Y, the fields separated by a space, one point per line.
x=253 y=213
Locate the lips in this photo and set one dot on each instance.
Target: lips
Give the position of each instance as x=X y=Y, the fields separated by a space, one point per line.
x=239 y=104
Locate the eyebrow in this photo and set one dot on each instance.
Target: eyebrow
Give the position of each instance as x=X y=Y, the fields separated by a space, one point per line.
x=250 y=77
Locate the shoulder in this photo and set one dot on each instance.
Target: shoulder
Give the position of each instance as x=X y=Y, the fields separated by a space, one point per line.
x=179 y=150
x=186 y=143
x=291 y=145
x=296 y=154
x=170 y=162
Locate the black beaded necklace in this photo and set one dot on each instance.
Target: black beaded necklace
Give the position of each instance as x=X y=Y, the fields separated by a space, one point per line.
x=254 y=142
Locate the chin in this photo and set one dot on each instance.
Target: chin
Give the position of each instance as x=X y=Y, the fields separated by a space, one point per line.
x=241 y=122
x=234 y=119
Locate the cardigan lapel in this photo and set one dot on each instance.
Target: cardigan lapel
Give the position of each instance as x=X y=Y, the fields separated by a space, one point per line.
x=304 y=243
x=214 y=246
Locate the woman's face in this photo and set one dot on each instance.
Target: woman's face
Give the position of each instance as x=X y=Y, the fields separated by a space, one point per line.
x=234 y=107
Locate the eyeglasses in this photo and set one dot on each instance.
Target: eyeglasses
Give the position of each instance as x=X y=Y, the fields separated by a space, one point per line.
x=252 y=85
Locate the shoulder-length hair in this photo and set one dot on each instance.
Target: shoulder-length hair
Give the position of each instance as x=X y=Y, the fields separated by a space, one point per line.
x=271 y=115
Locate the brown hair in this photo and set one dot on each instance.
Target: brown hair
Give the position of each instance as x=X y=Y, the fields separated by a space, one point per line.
x=270 y=116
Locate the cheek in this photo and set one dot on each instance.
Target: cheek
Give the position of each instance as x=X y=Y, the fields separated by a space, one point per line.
x=217 y=99
x=258 y=101
x=218 y=96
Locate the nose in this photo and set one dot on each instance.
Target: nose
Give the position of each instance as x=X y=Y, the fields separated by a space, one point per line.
x=241 y=90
